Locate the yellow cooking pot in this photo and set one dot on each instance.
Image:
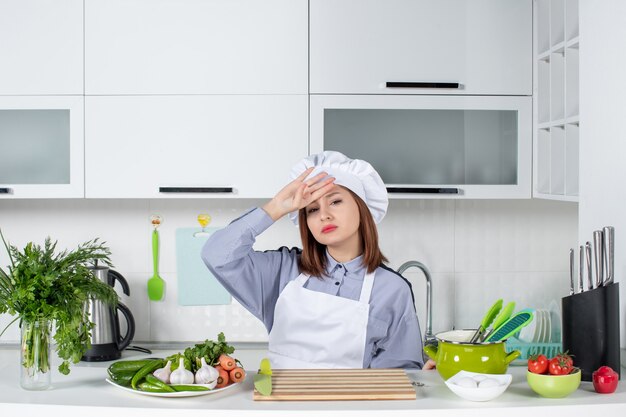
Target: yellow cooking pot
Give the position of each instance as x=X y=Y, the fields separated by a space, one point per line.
x=453 y=354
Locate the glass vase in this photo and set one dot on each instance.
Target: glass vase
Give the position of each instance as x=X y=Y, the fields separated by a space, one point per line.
x=35 y=355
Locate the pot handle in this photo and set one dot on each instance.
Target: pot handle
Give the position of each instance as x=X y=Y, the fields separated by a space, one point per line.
x=431 y=351
x=512 y=356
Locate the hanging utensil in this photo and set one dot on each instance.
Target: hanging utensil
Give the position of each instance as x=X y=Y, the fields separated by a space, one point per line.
x=598 y=243
x=608 y=233
x=503 y=316
x=156 y=284
x=491 y=314
x=511 y=326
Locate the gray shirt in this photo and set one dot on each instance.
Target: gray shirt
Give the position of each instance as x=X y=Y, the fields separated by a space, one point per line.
x=256 y=279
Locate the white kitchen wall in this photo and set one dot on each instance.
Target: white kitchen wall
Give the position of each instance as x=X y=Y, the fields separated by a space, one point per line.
x=602 y=130
x=476 y=250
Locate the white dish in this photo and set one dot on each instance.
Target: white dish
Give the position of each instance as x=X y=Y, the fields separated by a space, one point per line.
x=555 y=321
x=538 y=327
x=542 y=327
x=478 y=394
x=174 y=394
x=548 y=329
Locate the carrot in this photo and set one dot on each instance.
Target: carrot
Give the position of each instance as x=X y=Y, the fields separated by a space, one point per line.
x=227 y=362
x=237 y=374
x=223 y=379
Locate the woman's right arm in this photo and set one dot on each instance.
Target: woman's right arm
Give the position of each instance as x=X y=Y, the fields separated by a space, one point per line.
x=254 y=278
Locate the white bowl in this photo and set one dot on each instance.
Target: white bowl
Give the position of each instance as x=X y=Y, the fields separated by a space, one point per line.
x=478 y=393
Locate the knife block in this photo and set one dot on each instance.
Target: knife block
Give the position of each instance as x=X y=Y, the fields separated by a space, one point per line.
x=591 y=329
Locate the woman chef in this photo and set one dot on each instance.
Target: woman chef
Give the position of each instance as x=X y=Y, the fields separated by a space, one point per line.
x=332 y=304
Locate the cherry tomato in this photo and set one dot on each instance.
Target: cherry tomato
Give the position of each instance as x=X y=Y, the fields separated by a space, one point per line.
x=538 y=364
x=561 y=364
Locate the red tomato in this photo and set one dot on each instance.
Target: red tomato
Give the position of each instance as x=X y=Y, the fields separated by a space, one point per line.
x=538 y=364
x=561 y=364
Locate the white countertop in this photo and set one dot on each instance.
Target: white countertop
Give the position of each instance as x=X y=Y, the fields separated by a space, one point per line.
x=85 y=392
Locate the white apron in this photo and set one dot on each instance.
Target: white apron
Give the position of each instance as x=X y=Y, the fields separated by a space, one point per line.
x=316 y=330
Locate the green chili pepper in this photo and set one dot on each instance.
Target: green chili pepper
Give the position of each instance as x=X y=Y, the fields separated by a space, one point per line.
x=180 y=388
x=144 y=386
x=145 y=370
x=151 y=379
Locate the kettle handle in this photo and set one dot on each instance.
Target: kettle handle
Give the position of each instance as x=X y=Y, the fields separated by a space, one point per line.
x=114 y=275
x=130 y=331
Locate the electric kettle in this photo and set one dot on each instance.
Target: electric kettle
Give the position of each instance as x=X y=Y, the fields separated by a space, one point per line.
x=106 y=342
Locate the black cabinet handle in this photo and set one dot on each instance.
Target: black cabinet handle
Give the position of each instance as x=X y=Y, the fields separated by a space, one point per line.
x=6 y=191
x=195 y=189
x=406 y=84
x=413 y=190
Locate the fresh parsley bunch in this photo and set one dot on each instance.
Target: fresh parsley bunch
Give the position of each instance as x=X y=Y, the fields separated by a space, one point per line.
x=43 y=285
x=209 y=350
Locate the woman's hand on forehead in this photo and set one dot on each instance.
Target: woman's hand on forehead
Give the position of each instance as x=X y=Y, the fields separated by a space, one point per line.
x=299 y=193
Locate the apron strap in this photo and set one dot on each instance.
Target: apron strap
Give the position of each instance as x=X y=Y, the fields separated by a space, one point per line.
x=302 y=278
x=366 y=289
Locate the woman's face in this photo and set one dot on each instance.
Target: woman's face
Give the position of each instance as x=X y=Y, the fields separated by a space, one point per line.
x=334 y=218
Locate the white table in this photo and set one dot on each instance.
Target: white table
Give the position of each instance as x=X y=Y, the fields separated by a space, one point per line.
x=85 y=393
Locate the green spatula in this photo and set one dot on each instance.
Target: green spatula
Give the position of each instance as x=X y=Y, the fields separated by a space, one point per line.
x=156 y=283
x=503 y=316
x=511 y=326
x=491 y=314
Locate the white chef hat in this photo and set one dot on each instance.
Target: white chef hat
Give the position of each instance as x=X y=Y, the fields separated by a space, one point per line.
x=356 y=175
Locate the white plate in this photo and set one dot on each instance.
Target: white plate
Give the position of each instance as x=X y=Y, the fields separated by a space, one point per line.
x=173 y=394
x=548 y=329
x=555 y=321
x=542 y=327
x=538 y=327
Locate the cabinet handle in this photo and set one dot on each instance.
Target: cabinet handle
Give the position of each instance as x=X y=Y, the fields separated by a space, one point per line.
x=195 y=189
x=6 y=191
x=406 y=84
x=412 y=190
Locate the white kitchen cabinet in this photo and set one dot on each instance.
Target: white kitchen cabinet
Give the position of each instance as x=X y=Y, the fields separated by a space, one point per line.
x=145 y=146
x=41 y=47
x=41 y=143
x=196 y=47
x=556 y=133
x=432 y=146
x=358 y=46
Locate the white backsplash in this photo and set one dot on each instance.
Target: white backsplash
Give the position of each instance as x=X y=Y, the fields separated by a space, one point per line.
x=477 y=251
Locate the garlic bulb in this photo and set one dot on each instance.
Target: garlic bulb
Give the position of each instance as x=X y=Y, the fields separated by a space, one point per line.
x=164 y=373
x=181 y=375
x=207 y=374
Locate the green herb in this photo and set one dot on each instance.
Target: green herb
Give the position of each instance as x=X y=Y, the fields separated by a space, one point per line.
x=43 y=285
x=209 y=350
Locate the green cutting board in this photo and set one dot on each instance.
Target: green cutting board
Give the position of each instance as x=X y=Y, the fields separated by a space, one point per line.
x=196 y=284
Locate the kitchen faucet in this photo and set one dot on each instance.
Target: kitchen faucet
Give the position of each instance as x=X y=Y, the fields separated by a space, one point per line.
x=428 y=336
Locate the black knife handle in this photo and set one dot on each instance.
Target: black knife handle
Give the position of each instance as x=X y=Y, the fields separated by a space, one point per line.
x=6 y=191
x=408 y=84
x=414 y=190
x=196 y=190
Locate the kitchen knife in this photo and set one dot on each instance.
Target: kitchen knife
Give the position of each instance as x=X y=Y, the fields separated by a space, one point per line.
x=589 y=267
x=609 y=253
x=571 y=271
x=581 y=268
x=598 y=243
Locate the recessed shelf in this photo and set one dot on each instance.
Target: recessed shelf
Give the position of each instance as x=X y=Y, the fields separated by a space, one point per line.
x=557 y=100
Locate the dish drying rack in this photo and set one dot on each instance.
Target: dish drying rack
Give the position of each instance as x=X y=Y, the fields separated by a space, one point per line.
x=528 y=349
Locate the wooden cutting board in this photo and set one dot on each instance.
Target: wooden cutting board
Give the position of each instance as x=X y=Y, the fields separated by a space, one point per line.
x=338 y=385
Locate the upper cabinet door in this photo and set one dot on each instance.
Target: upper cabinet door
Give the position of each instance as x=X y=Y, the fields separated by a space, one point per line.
x=41 y=147
x=192 y=146
x=484 y=46
x=196 y=47
x=41 y=47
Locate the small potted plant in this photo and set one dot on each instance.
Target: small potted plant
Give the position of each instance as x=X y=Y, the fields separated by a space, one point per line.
x=45 y=289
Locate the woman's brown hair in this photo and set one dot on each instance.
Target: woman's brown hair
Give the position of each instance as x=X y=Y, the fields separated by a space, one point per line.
x=313 y=259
